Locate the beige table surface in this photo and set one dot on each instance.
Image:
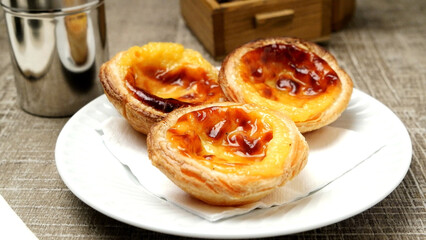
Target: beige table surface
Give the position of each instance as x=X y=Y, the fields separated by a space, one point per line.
x=383 y=49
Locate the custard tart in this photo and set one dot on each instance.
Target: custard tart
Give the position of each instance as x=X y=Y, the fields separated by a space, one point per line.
x=146 y=83
x=227 y=153
x=288 y=75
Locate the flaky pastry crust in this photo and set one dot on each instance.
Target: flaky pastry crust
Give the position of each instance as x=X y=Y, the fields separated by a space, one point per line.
x=235 y=88
x=286 y=155
x=141 y=116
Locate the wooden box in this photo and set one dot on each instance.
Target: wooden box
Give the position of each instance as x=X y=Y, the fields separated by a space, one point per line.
x=221 y=27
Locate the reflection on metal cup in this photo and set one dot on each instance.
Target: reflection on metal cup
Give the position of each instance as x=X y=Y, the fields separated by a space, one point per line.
x=57 y=47
x=76 y=26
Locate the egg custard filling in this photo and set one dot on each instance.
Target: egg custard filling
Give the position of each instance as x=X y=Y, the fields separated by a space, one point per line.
x=233 y=139
x=290 y=79
x=227 y=153
x=166 y=76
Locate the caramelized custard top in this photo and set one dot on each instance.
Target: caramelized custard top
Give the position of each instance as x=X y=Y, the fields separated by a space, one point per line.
x=222 y=137
x=166 y=76
x=166 y=90
x=279 y=69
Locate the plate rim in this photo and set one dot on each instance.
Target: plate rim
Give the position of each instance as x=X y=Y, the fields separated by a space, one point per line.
x=234 y=235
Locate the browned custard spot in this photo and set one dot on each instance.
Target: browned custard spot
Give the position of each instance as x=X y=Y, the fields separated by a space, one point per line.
x=192 y=86
x=221 y=136
x=281 y=68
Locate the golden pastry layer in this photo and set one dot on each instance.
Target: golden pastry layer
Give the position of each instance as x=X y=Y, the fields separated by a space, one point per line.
x=288 y=75
x=227 y=153
x=146 y=83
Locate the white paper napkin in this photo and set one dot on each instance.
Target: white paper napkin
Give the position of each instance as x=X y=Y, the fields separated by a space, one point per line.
x=333 y=152
x=12 y=227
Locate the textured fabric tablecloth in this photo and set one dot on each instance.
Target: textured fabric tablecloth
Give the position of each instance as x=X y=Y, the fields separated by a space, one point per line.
x=383 y=48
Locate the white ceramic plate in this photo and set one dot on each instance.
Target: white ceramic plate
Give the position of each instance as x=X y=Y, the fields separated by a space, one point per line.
x=99 y=180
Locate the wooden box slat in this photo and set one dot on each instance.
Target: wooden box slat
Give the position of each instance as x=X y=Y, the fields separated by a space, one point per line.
x=223 y=27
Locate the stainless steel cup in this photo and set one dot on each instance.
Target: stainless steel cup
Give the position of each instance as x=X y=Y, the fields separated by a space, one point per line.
x=57 y=47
